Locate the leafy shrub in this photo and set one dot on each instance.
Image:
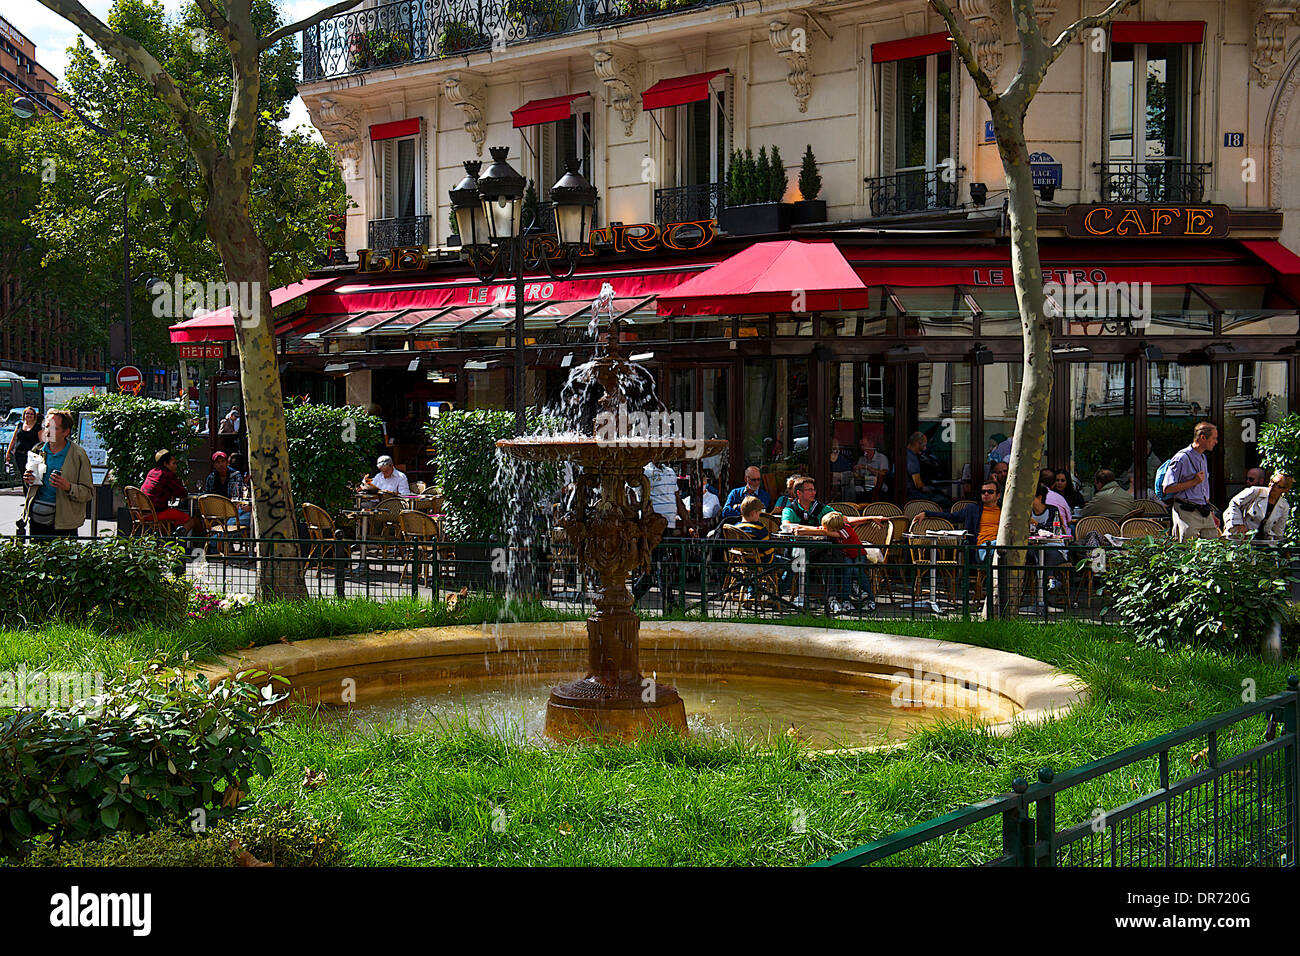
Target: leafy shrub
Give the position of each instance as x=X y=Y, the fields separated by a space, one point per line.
x=134 y=429
x=152 y=748
x=329 y=450
x=459 y=35
x=280 y=835
x=1221 y=593
x=116 y=582
x=476 y=500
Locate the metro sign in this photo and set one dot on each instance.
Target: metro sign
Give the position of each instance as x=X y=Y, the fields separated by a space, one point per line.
x=201 y=350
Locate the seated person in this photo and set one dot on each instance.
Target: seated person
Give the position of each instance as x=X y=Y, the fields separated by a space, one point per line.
x=1045 y=517
x=750 y=524
x=803 y=516
x=753 y=487
x=229 y=483
x=917 y=487
x=872 y=469
x=791 y=484
x=841 y=471
x=979 y=520
x=1260 y=513
x=1110 y=501
x=161 y=487
x=854 y=558
x=709 y=505
x=389 y=479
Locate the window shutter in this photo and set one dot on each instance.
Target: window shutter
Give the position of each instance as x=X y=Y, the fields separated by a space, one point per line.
x=388 y=179
x=548 y=165
x=887 y=106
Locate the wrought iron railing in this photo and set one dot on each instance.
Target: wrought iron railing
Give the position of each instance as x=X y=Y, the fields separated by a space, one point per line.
x=408 y=31
x=1153 y=180
x=916 y=190
x=1228 y=803
x=688 y=203
x=390 y=233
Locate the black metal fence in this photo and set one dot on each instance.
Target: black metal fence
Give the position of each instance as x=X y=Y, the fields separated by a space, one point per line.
x=1221 y=792
x=404 y=231
x=688 y=203
x=1153 y=180
x=916 y=190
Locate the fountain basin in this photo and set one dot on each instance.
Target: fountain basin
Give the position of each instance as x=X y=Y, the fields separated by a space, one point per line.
x=918 y=677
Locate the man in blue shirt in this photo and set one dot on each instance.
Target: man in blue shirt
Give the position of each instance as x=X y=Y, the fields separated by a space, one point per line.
x=1187 y=483
x=753 y=486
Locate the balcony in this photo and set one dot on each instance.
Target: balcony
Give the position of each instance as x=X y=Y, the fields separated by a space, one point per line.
x=1155 y=180
x=688 y=203
x=917 y=190
x=412 y=31
x=392 y=233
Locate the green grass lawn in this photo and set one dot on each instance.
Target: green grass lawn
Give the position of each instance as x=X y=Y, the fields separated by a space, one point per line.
x=433 y=798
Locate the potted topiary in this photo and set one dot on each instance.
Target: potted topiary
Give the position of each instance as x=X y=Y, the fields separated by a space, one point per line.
x=809 y=208
x=754 y=191
x=539 y=17
x=384 y=47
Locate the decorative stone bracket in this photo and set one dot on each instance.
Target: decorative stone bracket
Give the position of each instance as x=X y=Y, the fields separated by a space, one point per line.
x=1271 y=18
x=466 y=92
x=791 y=43
x=987 y=39
x=341 y=128
x=618 y=71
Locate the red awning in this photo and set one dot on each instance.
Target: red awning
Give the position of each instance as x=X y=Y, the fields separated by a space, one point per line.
x=909 y=47
x=406 y=127
x=679 y=90
x=1278 y=256
x=550 y=110
x=771 y=277
x=219 y=326
x=1158 y=31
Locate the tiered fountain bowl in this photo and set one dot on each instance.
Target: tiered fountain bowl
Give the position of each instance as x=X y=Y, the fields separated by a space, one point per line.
x=612 y=533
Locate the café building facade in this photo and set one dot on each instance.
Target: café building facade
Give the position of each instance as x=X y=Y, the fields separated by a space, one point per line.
x=1167 y=221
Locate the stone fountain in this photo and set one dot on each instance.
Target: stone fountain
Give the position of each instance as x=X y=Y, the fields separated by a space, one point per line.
x=613 y=534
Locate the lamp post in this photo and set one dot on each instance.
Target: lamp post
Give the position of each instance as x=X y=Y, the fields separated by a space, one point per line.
x=24 y=108
x=489 y=213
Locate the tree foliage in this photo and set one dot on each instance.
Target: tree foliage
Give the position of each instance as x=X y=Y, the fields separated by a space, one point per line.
x=134 y=429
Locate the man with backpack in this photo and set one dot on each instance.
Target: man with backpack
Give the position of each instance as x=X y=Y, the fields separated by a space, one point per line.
x=1187 y=484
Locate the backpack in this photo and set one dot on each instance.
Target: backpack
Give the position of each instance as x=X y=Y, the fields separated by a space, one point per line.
x=1159 y=489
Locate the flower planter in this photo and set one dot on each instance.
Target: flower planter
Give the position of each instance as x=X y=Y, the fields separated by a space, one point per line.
x=807 y=211
x=757 y=219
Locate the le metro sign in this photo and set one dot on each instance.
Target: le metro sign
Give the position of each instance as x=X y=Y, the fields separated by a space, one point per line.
x=1135 y=221
x=202 y=350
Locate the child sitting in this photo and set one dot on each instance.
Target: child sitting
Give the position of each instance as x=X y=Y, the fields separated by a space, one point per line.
x=854 y=558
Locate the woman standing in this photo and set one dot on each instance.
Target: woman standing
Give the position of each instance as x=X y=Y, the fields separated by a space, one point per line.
x=25 y=437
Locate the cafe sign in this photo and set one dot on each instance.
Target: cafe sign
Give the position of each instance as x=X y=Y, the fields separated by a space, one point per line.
x=619 y=239
x=1141 y=221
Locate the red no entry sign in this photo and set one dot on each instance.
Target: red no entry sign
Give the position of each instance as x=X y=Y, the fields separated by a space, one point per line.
x=129 y=379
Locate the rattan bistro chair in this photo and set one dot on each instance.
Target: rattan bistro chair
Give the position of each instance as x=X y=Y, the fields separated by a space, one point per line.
x=1084 y=527
x=420 y=534
x=846 y=508
x=144 y=518
x=320 y=531
x=914 y=508
x=221 y=521
x=1142 y=528
x=946 y=558
x=884 y=509
x=749 y=579
x=959 y=504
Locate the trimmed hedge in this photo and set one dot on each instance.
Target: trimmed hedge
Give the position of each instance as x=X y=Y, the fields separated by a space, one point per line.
x=152 y=748
x=281 y=836
x=115 y=582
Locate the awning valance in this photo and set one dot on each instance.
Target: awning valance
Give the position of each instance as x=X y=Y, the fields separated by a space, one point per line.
x=785 y=276
x=219 y=325
x=1158 y=31
x=406 y=127
x=550 y=110
x=679 y=90
x=909 y=47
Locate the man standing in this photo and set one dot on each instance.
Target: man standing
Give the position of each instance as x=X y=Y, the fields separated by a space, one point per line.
x=871 y=468
x=161 y=486
x=56 y=506
x=752 y=488
x=1110 y=501
x=1187 y=483
x=666 y=501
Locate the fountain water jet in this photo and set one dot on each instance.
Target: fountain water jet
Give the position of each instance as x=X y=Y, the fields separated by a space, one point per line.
x=614 y=536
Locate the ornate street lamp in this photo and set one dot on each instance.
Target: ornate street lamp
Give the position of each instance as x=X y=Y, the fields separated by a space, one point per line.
x=489 y=214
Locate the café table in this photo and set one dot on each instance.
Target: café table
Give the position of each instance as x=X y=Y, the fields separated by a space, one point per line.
x=933 y=539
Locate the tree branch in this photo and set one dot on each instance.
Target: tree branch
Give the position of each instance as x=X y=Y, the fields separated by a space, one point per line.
x=216 y=17
x=982 y=82
x=142 y=63
x=275 y=37
x=1087 y=23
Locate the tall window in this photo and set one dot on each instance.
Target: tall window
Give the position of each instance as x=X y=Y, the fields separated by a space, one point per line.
x=558 y=142
x=1150 y=114
x=700 y=139
x=917 y=134
x=398 y=163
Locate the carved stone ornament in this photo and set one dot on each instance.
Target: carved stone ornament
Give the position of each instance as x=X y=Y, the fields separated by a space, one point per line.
x=1045 y=10
x=341 y=128
x=618 y=72
x=1271 y=18
x=987 y=38
x=791 y=44
x=466 y=92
